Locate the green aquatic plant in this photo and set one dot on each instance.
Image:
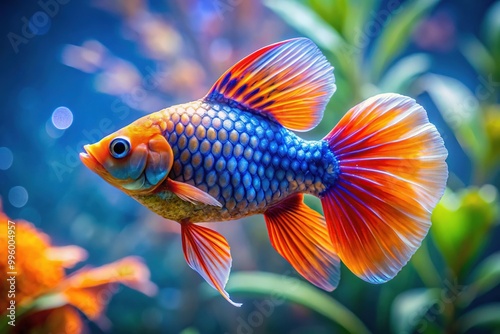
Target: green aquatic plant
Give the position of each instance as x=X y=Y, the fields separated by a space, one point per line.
x=462 y=225
x=277 y=289
x=474 y=114
x=296 y=291
x=465 y=219
x=344 y=30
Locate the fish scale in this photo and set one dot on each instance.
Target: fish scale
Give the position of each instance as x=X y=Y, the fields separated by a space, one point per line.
x=244 y=160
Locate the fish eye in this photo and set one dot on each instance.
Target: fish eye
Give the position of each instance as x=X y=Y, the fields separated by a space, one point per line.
x=119 y=147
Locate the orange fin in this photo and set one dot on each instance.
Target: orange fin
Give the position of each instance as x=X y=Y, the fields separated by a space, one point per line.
x=392 y=173
x=207 y=252
x=290 y=81
x=191 y=194
x=299 y=234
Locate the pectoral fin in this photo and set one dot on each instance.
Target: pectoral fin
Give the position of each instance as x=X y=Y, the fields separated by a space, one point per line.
x=207 y=252
x=191 y=194
x=300 y=235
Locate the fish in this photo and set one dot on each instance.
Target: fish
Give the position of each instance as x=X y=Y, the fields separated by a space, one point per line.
x=235 y=153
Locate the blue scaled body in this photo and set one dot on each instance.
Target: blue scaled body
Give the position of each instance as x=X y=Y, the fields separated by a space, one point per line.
x=243 y=159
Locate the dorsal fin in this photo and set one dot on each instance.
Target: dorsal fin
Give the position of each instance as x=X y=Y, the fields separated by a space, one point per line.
x=290 y=81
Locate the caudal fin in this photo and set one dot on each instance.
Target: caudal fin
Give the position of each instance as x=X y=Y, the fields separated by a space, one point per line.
x=392 y=173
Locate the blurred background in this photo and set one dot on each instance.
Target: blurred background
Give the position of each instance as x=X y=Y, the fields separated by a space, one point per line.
x=74 y=71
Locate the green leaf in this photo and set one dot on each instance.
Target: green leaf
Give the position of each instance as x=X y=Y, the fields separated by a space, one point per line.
x=396 y=31
x=461 y=111
x=461 y=225
x=356 y=20
x=409 y=307
x=425 y=268
x=491 y=29
x=307 y=22
x=492 y=120
x=477 y=54
x=400 y=76
x=334 y=12
x=486 y=276
x=482 y=316
x=278 y=288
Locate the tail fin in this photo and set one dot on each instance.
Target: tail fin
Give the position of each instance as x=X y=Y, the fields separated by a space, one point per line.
x=392 y=173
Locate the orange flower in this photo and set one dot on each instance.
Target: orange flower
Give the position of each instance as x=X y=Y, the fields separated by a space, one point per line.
x=91 y=288
x=42 y=286
x=36 y=273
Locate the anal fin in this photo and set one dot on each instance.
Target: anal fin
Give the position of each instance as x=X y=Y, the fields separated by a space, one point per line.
x=207 y=252
x=299 y=234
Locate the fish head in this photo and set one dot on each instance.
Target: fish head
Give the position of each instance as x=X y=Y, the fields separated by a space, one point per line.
x=135 y=159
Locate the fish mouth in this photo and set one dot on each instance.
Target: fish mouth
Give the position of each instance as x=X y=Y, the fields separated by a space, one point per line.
x=88 y=159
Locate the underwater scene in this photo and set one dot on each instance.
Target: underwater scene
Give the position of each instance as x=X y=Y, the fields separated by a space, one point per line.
x=237 y=166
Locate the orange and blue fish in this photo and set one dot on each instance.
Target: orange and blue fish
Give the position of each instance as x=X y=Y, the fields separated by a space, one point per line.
x=379 y=173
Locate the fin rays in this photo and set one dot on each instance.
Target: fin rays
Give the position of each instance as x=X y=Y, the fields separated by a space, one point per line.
x=299 y=234
x=291 y=82
x=207 y=252
x=339 y=145
x=392 y=172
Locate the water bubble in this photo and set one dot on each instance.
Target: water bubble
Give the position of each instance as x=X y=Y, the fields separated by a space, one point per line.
x=488 y=193
x=18 y=196
x=62 y=118
x=6 y=158
x=450 y=201
x=83 y=228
